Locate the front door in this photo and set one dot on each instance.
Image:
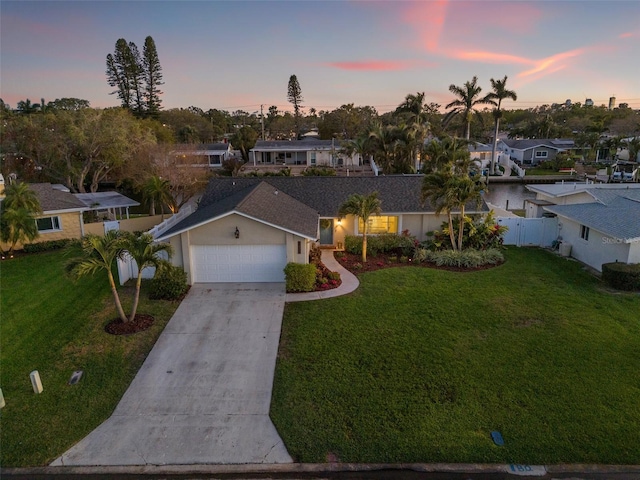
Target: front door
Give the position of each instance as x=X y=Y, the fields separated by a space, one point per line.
x=326 y=231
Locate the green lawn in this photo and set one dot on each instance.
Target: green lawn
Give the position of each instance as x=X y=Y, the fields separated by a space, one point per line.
x=420 y=365
x=54 y=326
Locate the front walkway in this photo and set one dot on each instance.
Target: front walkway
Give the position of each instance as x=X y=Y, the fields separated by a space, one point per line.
x=202 y=395
x=349 y=281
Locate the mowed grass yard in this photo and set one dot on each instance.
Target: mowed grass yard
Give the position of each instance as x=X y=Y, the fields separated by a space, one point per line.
x=54 y=326
x=420 y=365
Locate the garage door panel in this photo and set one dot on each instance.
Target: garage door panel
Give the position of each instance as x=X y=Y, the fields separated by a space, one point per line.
x=238 y=263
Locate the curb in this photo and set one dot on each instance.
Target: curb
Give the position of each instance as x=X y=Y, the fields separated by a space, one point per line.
x=313 y=470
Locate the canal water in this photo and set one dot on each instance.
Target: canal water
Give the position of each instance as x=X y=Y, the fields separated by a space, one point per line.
x=509 y=196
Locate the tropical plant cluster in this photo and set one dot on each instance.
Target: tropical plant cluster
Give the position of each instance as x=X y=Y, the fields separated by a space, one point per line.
x=479 y=233
x=467 y=259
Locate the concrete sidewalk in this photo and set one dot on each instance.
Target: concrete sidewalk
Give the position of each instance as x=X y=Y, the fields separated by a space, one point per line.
x=202 y=395
x=349 y=282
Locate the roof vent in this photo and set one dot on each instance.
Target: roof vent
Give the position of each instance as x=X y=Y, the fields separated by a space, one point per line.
x=276 y=192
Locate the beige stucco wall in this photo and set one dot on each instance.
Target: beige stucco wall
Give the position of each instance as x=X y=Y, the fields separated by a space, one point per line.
x=418 y=225
x=221 y=232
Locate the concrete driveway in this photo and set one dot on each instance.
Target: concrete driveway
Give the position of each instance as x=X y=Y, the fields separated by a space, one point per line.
x=202 y=395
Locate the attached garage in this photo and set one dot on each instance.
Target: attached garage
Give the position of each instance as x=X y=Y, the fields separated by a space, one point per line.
x=238 y=263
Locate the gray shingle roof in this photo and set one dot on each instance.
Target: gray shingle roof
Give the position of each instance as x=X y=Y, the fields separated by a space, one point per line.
x=52 y=200
x=619 y=217
x=300 y=198
x=260 y=201
x=398 y=193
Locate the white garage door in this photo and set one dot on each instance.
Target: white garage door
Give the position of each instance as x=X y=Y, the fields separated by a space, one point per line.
x=238 y=263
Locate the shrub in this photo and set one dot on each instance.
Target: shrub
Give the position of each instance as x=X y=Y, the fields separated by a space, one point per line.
x=468 y=258
x=169 y=283
x=384 y=243
x=47 y=246
x=479 y=233
x=315 y=254
x=319 y=172
x=621 y=276
x=333 y=276
x=300 y=277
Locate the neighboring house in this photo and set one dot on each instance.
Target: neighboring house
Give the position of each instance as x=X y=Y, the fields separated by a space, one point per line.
x=601 y=222
x=534 y=151
x=61 y=216
x=309 y=152
x=247 y=229
x=206 y=155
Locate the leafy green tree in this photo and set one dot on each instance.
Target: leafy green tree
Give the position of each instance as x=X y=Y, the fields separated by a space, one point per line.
x=27 y=108
x=346 y=122
x=99 y=254
x=362 y=207
x=499 y=93
x=146 y=253
x=447 y=153
x=294 y=96
x=68 y=104
x=244 y=140
x=152 y=76
x=466 y=103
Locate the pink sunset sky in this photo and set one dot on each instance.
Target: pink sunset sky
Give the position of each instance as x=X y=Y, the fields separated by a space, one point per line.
x=239 y=55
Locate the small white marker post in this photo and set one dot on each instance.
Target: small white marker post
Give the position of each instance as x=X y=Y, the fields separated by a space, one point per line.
x=2 y=404
x=35 y=381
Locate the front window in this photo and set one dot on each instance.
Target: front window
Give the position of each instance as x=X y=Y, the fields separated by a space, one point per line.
x=48 y=224
x=541 y=154
x=584 y=233
x=313 y=158
x=379 y=224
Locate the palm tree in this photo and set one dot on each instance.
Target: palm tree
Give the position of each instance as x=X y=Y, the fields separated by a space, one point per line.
x=468 y=99
x=19 y=195
x=17 y=225
x=146 y=254
x=99 y=253
x=499 y=93
x=448 y=153
x=383 y=141
x=362 y=207
x=359 y=146
x=462 y=190
x=417 y=114
x=18 y=215
x=157 y=191
x=435 y=188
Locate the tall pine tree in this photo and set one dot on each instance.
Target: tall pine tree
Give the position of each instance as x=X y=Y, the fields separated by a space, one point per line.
x=294 y=96
x=135 y=77
x=152 y=77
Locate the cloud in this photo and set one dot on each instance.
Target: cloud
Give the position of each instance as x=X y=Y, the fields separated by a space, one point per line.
x=629 y=35
x=550 y=64
x=379 y=65
x=428 y=19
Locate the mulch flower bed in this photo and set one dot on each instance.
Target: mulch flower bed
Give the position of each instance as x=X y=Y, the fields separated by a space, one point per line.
x=330 y=284
x=354 y=264
x=140 y=322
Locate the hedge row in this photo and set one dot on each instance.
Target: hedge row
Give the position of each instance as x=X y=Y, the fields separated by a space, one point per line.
x=621 y=276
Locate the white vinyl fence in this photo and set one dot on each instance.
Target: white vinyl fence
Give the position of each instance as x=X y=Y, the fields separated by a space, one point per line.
x=128 y=268
x=538 y=232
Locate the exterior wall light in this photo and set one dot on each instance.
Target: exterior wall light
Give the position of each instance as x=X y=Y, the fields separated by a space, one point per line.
x=237 y=233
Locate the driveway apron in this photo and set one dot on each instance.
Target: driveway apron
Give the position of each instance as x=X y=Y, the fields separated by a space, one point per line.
x=202 y=395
